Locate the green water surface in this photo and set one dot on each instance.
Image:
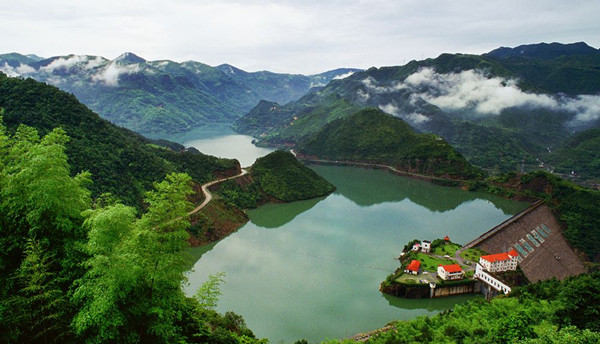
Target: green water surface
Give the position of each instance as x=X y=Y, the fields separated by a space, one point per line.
x=311 y=269
x=218 y=139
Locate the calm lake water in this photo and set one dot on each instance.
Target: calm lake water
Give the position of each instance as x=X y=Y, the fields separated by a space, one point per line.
x=311 y=269
x=219 y=140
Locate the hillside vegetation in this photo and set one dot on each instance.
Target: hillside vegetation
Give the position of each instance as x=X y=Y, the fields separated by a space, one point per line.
x=580 y=153
x=77 y=271
x=120 y=162
x=373 y=136
x=575 y=206
x=498 y=109
x=546 y=312
x=280 y=175
x=158 y=97
x=277 y=177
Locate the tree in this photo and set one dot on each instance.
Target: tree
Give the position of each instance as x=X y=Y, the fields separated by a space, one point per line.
x=580 y=303
x=136 y=268
x=40 y=309
x=39 y=198
x=208 y=293
x=40 y=230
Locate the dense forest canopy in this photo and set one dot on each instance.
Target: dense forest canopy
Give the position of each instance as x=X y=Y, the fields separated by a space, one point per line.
x=373 y=136
x=74 y=270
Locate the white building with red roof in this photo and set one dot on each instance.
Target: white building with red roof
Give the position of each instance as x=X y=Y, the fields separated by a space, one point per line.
x=413 y=267
x=500 y=261
x=450 y=272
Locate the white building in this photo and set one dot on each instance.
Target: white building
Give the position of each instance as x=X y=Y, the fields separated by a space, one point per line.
x=450 y=272
x=416 y=247
x=505 y=261
x=425 y=246
x=490 y=280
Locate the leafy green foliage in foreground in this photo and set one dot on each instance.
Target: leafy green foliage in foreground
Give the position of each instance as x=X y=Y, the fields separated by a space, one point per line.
x=281 y=176
x=373 y=136
x=546 y=312
x=81 y=273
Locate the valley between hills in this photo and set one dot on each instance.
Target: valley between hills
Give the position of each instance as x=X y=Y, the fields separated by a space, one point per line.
x=97 y=219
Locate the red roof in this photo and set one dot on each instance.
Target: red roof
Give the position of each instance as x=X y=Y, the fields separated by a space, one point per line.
x=500 y=256
x=414 y=265
x=446 y=238
x=452 y=268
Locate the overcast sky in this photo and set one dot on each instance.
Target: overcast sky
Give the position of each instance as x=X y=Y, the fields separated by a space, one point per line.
x=290 y=36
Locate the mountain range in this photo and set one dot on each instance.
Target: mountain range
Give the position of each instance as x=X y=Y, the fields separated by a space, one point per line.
x=503 y=109
x=162 y=96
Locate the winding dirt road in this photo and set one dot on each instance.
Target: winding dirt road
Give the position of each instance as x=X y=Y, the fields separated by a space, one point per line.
x=208 y=196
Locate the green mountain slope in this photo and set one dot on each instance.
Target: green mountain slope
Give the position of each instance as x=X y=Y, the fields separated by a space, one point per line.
x=121 y=162
x=580 y=153
x=281 y=88
x=280 y=175
x=497 y=109
x=162 y=96
x=279 y=124
x=375 y=137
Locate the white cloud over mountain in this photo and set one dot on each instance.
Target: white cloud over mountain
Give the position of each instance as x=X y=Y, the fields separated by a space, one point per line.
x=110 y=74
x=480 y=94
x=412 y=117
x=21 y=69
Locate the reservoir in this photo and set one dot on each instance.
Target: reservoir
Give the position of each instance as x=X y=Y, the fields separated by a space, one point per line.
x=311 y=269
x=219 y=140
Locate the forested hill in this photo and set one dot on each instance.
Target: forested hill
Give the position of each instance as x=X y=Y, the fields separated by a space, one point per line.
x=375 y=137
x=497 y=109
x=277 y=176
x=280 y=175
x=162 y=96
x=121 y=162
x=580 y=154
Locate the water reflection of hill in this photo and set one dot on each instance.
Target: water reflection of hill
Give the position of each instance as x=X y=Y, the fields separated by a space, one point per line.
x=286 y=212
x=369 y=187
x=437 y=304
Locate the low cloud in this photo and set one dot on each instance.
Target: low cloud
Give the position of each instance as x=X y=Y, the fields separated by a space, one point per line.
x=586 y=108
x=342 y=76
x=372 y=86
x=110 y=74
x=413 y=117
x=362 y=95
x=482 y=95
x=21 y=69
x=62 y=62
x=83 y=61
x=473 y=90
x=96 y=62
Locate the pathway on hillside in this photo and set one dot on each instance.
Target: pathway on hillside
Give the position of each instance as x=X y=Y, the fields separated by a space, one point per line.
x=459 y=258
x=208 y=195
